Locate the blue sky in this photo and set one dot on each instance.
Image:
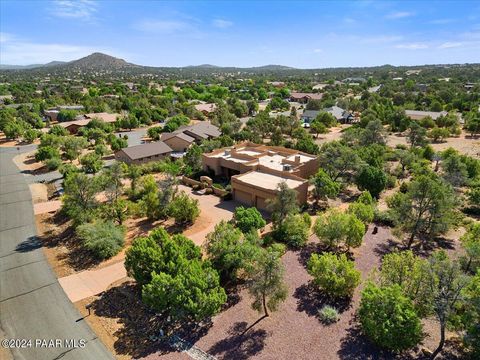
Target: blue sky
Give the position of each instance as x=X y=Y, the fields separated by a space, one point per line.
x=304 y=34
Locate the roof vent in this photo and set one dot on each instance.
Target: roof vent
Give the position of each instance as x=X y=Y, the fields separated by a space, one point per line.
x=287 y=167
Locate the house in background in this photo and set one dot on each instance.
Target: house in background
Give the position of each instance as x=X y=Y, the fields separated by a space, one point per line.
x=304 y=98
x=206 y=109
x=419 y=115
x=256 y=171
x=341 y=115
x=144 y=153
x=181 y=139
x=308 y=116
x=83 y=120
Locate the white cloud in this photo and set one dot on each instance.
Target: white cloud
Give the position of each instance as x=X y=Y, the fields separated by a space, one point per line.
x=399 y=15
x=317 y=51
x=78 y=9
x=23 y=52
x=441 y=21
x=448 y=45
x=382 y=39
x=221 y=23
x=162 y=26
x=412 y=46
x=4 y=37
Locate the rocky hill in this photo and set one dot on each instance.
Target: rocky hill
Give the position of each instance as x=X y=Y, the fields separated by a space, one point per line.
x=98 y=61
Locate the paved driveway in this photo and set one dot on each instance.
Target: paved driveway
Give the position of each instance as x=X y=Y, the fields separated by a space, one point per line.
x=32 y=303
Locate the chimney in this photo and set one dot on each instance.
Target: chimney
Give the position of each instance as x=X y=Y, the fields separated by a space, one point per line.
x=297 y=159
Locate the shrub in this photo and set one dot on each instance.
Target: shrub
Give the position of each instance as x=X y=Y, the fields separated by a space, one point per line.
x=388 y=318
x=104 y=239
x=363 y=212
x=47 y=152
x=328 y=314
x=335 y=275
x=384 y=218
x=373 y=179
x=53 y=163
x=91 y=163
x=184 y=209
x=248 y=219
x=294 y=230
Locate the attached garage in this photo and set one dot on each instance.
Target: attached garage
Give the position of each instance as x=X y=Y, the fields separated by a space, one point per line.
x=243 y=197
x=261 y=203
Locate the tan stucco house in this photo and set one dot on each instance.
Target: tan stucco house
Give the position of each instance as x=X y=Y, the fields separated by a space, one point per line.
x=256 y=170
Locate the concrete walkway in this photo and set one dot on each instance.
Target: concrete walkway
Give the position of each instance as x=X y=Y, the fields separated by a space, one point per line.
x=32 y=303
x=46 y=207
x=92 y=282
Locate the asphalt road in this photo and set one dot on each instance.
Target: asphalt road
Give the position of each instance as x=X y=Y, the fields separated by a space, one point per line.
x=32 y=303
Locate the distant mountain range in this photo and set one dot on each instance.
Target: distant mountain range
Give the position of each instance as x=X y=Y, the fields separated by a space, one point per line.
x=99 y=61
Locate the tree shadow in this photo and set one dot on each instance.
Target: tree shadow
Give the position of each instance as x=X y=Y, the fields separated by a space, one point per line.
x=30 y=244
x=426 y=247
x=77 y=256
x=355 y=346
x=242 y=343
x=310 y=300
x=306 y=252
x=140 y=326
x=386 y=247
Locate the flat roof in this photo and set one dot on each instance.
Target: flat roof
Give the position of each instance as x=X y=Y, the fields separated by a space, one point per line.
x=272 y=161
x=267 y=181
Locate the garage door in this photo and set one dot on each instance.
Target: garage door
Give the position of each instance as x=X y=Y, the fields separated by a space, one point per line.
x=243 y=197
x=261 y=203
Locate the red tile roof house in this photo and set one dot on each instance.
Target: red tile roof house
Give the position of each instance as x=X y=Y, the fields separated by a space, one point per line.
x=305 y=97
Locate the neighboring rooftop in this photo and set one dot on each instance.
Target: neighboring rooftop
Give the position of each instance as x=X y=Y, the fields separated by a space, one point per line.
x=146 y=150
x=268 y=181
x=417 y=114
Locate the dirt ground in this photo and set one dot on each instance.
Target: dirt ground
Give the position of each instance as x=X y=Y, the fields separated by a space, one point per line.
x=26 y=161
x=39 y=192
x=464 y=143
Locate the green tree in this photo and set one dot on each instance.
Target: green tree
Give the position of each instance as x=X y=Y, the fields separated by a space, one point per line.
x=335 y=275
x=248 y=219
x=193 y=293
x=72 y=147
x=79 y=200
x=184 y=209
x=46 y=152
x=471 y=295
x=373 y=179
x=471 y=243
x=193 y=159
x=317 y=127
x=410 y=272
x=335 y=228
x=230 y=251
x=374 y=133
x=91 y=163
x=284 y=203
x=446 y=286
x=14 y=130
x=30 y=135
x=324 y=186
x=104 y=239
x=294 y=230
x=388 y=318
x=364 y=212
x=425 y=210
x=438 y=134
x=158 y=252
x=267 y=286
x=339 y=161
x=473 y=123
x=416 y=135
